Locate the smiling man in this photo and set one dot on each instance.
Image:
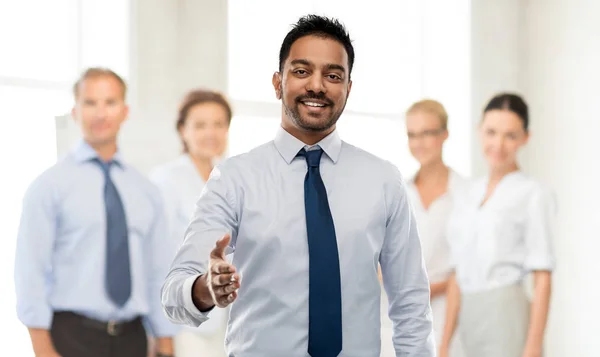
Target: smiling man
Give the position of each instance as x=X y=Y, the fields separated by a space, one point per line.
x=92 y=248
x=308 y=217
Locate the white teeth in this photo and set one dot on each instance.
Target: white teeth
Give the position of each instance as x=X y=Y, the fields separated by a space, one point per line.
x=312 y=104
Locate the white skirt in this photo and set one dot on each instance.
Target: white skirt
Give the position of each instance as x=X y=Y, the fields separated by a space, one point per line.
x=494 y=323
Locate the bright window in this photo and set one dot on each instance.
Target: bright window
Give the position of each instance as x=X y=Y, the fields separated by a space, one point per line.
x=45 y=45
x=248 y=132
x=405 y=51
x=39 y=39
x=383 y=137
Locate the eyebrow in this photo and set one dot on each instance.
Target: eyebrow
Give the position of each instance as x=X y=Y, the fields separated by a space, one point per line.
x=307 y=63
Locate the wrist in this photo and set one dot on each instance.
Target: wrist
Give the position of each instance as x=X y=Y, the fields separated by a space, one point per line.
x=201 y=295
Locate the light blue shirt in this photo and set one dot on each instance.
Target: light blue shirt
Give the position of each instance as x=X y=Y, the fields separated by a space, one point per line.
x=61 y=247
x=181 y=185
x=259 y=198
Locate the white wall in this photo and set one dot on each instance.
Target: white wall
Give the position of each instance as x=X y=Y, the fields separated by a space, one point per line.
x=176 y=46
x=548 y=50
x=495 y=59
x=561 y=76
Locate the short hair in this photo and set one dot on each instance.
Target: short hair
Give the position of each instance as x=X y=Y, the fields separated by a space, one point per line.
x=511 y=102
x=200 y=96
x=319 y=26
x=95 y=72
x=432 y=107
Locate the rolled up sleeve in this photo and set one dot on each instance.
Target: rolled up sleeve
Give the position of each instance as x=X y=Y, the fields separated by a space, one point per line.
x=541 y=213
x=33 y=261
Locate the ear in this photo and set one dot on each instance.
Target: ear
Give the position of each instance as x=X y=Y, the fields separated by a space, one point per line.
x=126 y=113
x=349 y=88
x=277 y=84
x=527 y=136
x=74 y=113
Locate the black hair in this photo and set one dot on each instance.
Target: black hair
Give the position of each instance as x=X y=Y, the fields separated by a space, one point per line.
x=511 y=102
x=320 y=26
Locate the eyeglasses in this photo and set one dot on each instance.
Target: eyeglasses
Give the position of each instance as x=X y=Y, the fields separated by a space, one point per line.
x=426 y=133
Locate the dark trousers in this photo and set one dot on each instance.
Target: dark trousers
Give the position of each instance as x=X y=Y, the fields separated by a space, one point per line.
x=76 y=336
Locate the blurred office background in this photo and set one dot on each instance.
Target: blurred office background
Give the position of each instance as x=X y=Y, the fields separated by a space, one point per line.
x=459 y=52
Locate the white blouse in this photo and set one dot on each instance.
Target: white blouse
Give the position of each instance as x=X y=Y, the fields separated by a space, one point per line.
x=181 y=185
x=432 y=224
x=498 y=243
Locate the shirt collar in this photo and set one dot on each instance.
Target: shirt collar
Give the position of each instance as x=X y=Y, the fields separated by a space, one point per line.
x=83 y=152
x=451 y=179
x=289 y=146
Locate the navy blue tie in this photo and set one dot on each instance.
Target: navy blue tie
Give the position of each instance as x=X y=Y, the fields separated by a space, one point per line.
x=325 y=293
x=118 y=274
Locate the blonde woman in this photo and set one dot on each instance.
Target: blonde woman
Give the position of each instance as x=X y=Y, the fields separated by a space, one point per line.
x=500 y=233
x=432 y=191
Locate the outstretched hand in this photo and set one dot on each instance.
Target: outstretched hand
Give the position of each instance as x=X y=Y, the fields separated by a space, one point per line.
x=223 y=279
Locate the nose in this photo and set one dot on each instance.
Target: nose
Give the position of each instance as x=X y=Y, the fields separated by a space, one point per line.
x=101 y=111
x=316 y=84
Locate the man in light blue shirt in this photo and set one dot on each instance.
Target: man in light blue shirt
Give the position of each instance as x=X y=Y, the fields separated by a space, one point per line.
x=92 y=249
x=308 y=218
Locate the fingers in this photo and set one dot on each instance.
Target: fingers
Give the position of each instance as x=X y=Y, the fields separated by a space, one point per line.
x=218 y=251
x=224 y=279
x=224 y=288
x=221 y=267
x=224 y=301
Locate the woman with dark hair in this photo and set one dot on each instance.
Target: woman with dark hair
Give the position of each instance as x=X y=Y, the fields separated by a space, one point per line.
x=499 y=233
x=203 y=126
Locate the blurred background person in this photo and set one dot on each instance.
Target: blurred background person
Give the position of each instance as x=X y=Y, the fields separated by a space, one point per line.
x=431 y=191
x=203 y=125
x=91 y=243
x=499 y=234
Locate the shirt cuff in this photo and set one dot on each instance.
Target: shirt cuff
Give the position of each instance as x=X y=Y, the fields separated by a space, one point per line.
x=189 y=304
x=40 y=318
x=539 y=263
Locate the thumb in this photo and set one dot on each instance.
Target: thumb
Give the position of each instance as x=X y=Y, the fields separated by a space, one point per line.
x=219 y=251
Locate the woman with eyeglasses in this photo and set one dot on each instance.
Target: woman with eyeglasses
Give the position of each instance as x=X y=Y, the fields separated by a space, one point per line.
x=432 y=191
x=203 y=127
x=499 y=234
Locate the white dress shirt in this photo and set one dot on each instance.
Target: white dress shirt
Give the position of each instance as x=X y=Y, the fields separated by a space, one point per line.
x=433 y=230
x=181 y=185
x=498 y=243
x=259 y=198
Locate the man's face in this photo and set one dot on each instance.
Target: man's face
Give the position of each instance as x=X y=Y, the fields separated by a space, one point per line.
x=314 y=84
x=100 y=109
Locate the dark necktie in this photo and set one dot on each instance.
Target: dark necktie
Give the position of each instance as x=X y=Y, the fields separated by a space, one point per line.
x=325 y=296
x=118 y=274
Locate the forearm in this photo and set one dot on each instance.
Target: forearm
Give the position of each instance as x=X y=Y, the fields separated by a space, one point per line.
x=539 y=309
x=41 y=342
x=438 y=289
x=164 y=345
x=452 y=311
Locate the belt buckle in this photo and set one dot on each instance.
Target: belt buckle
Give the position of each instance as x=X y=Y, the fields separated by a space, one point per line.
x=111 y=328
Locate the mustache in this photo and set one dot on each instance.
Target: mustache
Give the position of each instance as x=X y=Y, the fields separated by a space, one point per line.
x=321 y=96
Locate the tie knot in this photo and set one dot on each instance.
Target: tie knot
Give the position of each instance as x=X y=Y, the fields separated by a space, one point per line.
x=105 y=166
x=313 y=157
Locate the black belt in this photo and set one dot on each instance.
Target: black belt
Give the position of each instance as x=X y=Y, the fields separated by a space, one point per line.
x=112 y=328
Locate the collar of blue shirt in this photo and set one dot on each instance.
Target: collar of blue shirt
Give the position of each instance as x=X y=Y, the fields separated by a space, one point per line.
x=83 y=152
x=289 y=146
